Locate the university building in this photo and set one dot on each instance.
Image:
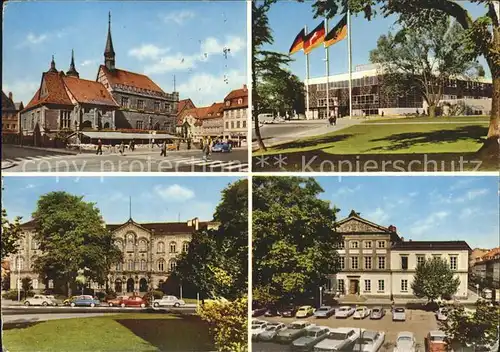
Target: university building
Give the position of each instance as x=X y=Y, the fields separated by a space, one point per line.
x=117 y=99
x=369 y=97
x=150 y=251
x=235 y=114
x=375 y=262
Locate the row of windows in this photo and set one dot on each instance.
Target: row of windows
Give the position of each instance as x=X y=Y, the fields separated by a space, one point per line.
x=143 y=245
x=366 y=244
x=140 y=104
x=368 y=285
x=358 y=82
x=240 y=101
x=9 y=126
x=143 y=265
x=238 y=125
x=236 y=113
x=367 y=263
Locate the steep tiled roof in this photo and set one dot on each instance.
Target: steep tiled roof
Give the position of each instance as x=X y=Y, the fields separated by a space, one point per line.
x=164 y=227
x=85 y=91
x=234 y=95
x=431 y=245
x=495 y=252
x=130 y=79
x=56 y=93
x=182 y=105
x=216 y=110
x=7 y=104
x=237 y=93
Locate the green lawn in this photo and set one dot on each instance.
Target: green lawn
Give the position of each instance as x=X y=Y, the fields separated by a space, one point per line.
x=459 y=119
x=120 y=332
x=369 y=138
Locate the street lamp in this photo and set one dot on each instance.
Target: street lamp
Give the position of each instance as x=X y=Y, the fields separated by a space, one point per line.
x=320 y=296
x=18 y=279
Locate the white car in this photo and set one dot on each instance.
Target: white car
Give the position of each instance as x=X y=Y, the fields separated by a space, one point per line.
x=405 y=342
x=40 y=300
x=271 y=331
x=344 y=312
x=337 y=337
x=266 y=118
x=399 y=314
x=442 y=314
x=362 y=312
x=258 y=328
x=369 y=341
x=168 y=301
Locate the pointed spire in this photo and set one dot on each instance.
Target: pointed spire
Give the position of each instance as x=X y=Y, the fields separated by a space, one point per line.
x=109 y=52
x=72 y=70
x=52 y=65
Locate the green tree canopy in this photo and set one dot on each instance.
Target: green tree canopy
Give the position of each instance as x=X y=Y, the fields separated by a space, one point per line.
x=216 y=262
x=423 y=59
x=72 y=235
x=11 y=233
x=294 y=238
x=434 y=279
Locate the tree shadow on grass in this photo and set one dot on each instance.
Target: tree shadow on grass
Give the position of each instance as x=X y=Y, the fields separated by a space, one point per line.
x=186 y=334
x=408 y=140
x=20 y=325
x=313 y=142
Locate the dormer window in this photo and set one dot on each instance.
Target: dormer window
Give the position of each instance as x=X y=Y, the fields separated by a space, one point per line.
x=240 y=101
x=228 y=103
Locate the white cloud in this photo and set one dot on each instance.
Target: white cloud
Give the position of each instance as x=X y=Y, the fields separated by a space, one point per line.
x=33 y=39
x=461 y=182
x=346 y=190
x=453 y=199
x=212 y=45
x=175 y=62
x=205 y=88
x=474 y=193
x=174 y=193
x=29 y=186
x=433 y=220
x=147 y=51
x=379 y=216
x=22 y=90
x=179 y=17
x=468 y=212
x=88 y=62
x=413 y=194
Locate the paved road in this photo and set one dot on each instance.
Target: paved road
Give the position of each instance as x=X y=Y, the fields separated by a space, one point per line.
x=34 y=317
x=417 y=321
x=283 y=132
x=30 y=160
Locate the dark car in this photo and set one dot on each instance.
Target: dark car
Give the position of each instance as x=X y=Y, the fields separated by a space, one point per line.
x=289 y=311
x=272 y=312
x=258 y=310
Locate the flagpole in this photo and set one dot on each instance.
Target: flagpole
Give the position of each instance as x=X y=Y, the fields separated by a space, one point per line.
x=327 y=74
x=307 y=78
x=349 y=53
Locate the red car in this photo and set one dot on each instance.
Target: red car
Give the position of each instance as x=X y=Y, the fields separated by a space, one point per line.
x=133 y=301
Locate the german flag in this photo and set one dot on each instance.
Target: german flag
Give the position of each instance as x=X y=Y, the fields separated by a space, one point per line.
x=315 y=38
x=337 y=33
x=298 y=43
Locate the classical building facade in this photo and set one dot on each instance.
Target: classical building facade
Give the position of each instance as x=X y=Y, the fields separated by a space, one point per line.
x=201 y=122
x=235 y=114
x=369 y=98
x=376 y=262
x=150 y=251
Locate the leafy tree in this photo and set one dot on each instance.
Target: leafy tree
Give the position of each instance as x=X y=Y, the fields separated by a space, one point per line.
x=11 y=233
x=294 y=238
x=479 y=327
x=423 y=59
x=26 y=286
x=433 y=279
x=217 y=259
x=282 y=93
x=72 y=236
x=483 y=35
x=227 y=323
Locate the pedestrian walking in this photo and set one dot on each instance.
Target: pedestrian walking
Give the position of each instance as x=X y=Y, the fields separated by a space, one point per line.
x=99 y=147
x=121 y=148
x=178 y=144
x=130 y=146
x=208 y=149
x=163 y=149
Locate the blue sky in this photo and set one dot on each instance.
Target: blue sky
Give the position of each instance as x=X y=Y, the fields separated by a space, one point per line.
x=364 y=37
x=154 y=199
x=161 y=39
x=423 y=208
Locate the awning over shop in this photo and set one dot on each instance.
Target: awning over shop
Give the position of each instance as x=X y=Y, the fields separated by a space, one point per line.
x=127 y=135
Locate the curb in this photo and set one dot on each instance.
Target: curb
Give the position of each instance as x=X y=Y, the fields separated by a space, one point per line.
x=7 y=165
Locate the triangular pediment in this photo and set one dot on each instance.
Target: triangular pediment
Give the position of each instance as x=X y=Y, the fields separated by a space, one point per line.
x=358 y=225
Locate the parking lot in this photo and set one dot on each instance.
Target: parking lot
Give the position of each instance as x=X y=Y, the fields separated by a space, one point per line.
x=417 y=321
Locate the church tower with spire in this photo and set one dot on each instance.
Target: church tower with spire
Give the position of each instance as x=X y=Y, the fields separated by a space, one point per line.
x=52 y=65
x=109 y=52
x=72 y=70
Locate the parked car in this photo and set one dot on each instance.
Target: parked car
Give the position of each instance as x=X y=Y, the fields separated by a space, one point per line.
x=405 y=342
x=84 y=301
x=133 y=301
x=361 y=313
x=335 y=338
x=271 y=331
x=40 y=300
x=344 y=312
x=304 y=312
x=312 y=337
x=293 y=331
x=266 y=118
x=442 y=314
x=377 y=313
x=289 y=311
x=436 y=341
x=221 y=148
x=272 y=312
x=399 y=314
x=115 y=302
x=369 y=341
x=258 y=328
x=324 y=312
x=68 y=301
x=168 y=301
x=257 y=310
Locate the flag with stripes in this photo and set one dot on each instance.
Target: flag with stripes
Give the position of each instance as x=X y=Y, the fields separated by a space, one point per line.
x=337 y=33
x=298 y=43
x=315 y=38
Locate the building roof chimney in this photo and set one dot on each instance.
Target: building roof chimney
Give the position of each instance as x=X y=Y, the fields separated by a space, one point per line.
x=10 y=96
